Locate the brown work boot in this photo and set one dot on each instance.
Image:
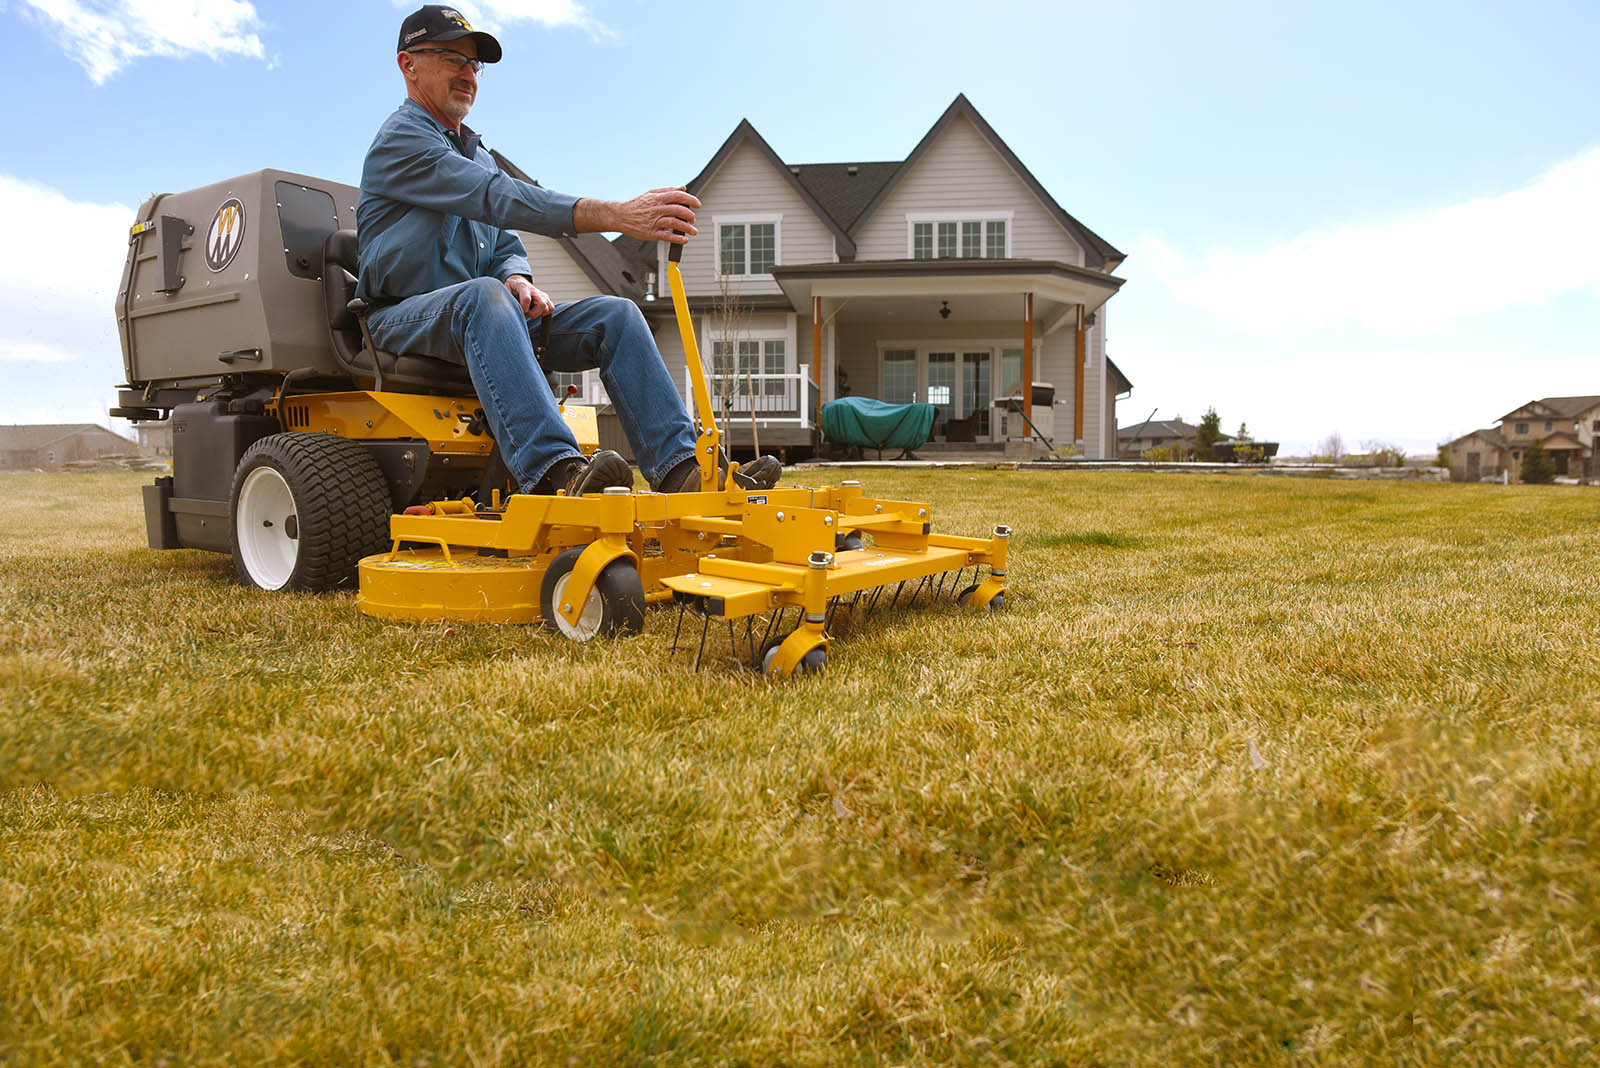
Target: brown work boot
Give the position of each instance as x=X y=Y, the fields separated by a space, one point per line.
x=761 y=473
x=579 y=476
x=685 y=477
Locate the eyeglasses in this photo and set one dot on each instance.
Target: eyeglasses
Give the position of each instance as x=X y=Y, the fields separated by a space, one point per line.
x=455 y=59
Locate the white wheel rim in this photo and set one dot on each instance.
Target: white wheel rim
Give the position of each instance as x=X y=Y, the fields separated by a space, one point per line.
x=265 y=507
x=588 y=623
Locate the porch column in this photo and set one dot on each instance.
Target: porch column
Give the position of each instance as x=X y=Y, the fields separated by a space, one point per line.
x=816 y=357
x=1027 y=365
x=1077 y=383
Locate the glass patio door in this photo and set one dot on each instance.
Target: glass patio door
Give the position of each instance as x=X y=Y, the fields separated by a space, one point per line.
x=975 y=389
x=942 y=385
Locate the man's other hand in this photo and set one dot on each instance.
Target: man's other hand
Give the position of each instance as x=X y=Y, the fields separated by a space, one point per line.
x=660 y=215
x=534 y=300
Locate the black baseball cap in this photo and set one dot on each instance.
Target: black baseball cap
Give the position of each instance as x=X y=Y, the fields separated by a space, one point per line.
x=435 y=22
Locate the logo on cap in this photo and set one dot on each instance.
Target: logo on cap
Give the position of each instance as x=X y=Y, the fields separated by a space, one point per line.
x=226 y=235
x=455 y=17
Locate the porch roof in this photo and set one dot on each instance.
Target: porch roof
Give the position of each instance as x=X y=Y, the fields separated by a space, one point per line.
x=1050 y=280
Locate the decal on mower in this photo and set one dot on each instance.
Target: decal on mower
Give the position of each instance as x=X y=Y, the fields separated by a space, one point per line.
x=225 y=237
x=760 y=498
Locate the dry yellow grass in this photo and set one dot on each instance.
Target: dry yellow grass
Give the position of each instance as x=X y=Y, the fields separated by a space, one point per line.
x=1249 y=771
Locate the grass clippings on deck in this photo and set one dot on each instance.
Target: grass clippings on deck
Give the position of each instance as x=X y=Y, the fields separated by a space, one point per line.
x=1247 y=771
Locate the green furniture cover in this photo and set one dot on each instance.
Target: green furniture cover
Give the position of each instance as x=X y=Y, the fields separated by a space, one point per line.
x=877 y=424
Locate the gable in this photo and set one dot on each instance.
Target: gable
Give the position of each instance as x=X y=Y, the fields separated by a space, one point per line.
x=959 y=173
x=745 y=186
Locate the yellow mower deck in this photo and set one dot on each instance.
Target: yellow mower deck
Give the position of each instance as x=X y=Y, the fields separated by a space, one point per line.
x=732 y=554
x=728 y=554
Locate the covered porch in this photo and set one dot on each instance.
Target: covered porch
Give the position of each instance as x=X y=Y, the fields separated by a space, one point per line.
x=962 y=335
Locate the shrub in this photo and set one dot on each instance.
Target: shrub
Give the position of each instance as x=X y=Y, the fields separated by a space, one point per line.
x=1383 y=454
x=1537 y=467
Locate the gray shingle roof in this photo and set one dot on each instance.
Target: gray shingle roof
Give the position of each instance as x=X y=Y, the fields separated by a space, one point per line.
x=1561 y=407
x=1164 y=428
x=38 y=435
x=844 y=189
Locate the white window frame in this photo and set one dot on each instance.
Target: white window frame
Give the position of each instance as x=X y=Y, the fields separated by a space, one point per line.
x=785 y=333
x=957 y=217
x=719 y=221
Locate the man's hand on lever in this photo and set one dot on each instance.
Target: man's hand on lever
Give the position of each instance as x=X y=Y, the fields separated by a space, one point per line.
x=665 y=214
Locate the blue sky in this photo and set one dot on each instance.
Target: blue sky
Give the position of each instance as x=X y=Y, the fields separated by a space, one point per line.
x=1380 y=220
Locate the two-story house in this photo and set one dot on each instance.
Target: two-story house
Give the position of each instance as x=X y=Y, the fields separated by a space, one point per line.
x=1565 y=426
x=951 y=277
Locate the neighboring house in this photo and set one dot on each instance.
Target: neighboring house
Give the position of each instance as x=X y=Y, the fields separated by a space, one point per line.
x=1477 y=456
x=949 y=277
x=1565 y=426
x=1173 y=434
x=156 y=438
x=49 y=446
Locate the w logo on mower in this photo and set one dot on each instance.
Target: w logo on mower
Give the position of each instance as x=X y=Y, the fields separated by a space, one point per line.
x=226 y=235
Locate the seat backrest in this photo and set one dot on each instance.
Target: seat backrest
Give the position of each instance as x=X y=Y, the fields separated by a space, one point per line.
x=339 y=266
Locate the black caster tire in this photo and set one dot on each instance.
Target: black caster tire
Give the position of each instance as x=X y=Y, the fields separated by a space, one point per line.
x=304 y=510
x=810 y=664
x=843 y=543
x=616 y=604
x=996 y=603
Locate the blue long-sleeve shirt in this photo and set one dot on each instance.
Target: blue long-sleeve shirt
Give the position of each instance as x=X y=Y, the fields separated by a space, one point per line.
x=435 y=211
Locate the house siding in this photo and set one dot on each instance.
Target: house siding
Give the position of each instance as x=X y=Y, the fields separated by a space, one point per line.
x=554 y=271
x=747 y=185
x=960 y=173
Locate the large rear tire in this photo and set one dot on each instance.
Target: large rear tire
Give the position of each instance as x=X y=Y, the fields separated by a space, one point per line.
x=304 y=510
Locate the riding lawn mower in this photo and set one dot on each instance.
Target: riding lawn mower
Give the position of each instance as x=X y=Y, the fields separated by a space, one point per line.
x=317 y=460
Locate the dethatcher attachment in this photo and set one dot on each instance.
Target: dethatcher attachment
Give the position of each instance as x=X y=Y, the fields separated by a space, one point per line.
x=589 y=565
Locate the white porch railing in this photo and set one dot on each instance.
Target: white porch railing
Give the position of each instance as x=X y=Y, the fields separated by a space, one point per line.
x=776 y=400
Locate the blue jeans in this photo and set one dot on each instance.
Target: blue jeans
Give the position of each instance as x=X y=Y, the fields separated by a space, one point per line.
x=480 y=324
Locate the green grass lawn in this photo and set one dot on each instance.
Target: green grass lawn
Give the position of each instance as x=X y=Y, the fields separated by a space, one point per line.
x=1248 y=771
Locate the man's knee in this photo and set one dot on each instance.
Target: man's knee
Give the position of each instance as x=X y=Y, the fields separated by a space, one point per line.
x=620 y=311
x=487 y=296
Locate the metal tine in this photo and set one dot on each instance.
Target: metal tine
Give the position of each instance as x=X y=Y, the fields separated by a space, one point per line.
x=897 y=591
x=772 y=619
x=733 y=643
x=704 y=629
x=877 y=591
x=683 y=606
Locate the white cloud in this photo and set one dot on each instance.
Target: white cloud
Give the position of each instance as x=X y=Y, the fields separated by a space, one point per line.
x=1411 y=274
x=104 y=36
x=492 y=15
x=22 y=351
x=59 y=276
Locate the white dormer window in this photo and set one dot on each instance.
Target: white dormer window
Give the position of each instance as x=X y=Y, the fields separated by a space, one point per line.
x=747 y=246
x=981 y=236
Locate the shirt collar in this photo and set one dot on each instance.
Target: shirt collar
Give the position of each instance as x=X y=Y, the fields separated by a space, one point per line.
x=466 y=142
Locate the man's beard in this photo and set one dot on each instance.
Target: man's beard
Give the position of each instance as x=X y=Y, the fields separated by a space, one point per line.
x=455 y=106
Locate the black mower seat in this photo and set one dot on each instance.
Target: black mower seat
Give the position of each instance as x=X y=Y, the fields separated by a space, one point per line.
x=409 y=374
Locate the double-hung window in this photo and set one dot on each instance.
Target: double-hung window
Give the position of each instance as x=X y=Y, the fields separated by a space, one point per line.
x=986 y=237
x=747 y=247
x=750 y=366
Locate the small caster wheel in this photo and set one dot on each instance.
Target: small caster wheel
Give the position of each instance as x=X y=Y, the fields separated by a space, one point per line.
x=810 y=664
x=843 y=543
x=997 y=602
x=616 y=603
